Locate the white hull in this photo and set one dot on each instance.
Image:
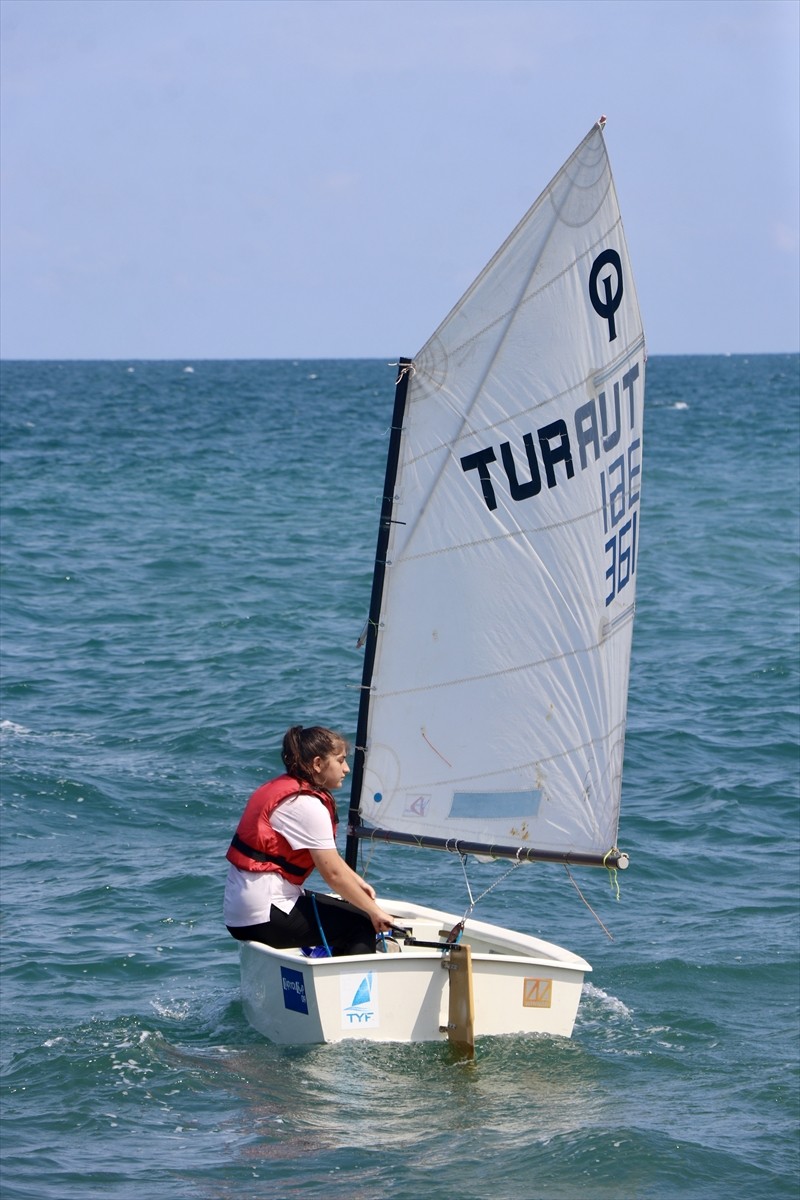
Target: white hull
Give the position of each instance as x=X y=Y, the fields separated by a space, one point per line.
x=521 y=985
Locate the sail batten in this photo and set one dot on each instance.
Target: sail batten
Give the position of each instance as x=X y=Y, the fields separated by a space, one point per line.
x=500 y=630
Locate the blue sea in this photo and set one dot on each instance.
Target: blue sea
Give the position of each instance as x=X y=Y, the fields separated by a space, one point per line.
x=187 y=555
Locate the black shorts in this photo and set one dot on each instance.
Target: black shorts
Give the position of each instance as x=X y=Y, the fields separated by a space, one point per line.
x=345 y=928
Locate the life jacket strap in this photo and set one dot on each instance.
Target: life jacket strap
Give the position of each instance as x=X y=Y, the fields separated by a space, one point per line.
x=259 y=856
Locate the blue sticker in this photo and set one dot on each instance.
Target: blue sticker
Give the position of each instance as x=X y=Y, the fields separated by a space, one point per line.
x=294 y=990
x=495 y=805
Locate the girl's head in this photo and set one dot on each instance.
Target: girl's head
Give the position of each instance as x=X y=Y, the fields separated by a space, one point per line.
x=307 y=755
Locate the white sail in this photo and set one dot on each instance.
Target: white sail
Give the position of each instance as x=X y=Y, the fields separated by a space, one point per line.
x=497 y=698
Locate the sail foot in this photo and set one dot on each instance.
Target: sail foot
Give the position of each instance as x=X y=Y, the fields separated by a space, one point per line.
x=613 y=858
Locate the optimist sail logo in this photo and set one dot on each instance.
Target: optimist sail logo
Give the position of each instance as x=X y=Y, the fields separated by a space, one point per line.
x=606 y=305
x=294 y=990
x=359 y=995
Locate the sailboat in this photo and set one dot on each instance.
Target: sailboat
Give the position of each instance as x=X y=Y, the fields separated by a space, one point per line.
x=497 y=649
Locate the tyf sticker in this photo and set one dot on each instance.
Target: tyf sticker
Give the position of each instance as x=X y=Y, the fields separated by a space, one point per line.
x=294 y=990
x=359 y=995
x=537 y=993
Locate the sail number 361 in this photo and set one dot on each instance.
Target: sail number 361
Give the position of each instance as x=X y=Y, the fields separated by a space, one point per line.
x=619 y=486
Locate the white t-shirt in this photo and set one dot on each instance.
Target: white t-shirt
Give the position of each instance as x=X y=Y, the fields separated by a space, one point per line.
x=249 y=895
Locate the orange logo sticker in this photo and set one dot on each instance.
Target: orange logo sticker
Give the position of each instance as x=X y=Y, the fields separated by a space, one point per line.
x=537 y=993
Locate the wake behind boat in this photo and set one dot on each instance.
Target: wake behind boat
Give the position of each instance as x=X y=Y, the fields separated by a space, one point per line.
x=494 y=690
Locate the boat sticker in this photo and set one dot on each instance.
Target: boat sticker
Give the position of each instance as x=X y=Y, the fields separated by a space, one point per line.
x=359 y=994
x=537 y=993
x=294 y=990
x=416 y=806
x=472 y=805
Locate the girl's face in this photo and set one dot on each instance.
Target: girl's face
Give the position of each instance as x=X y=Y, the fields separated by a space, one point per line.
x=330 y=772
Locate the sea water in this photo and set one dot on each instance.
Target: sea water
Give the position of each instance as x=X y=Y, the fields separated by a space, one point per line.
x=187 y=555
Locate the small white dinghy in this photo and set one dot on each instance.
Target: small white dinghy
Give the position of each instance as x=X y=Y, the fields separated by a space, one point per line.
x=415 y=993
x=495 y=682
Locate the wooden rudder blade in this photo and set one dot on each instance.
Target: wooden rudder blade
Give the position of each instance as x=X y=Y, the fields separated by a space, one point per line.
x=461 y=1012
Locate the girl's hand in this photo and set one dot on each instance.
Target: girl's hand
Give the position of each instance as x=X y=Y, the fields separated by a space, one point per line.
x=350 y=886
x=381 y=921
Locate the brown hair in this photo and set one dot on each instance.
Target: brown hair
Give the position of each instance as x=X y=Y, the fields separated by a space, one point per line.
x=301 y=746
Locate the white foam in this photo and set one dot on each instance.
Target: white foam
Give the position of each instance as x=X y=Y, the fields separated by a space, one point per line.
x=172 y=1010
x=611 y=1002
x=11 y=729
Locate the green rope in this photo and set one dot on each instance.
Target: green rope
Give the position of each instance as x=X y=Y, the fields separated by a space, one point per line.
x=612 y=872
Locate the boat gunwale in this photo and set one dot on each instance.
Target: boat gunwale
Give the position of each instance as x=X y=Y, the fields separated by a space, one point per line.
x=532 y=950
x=421 y=954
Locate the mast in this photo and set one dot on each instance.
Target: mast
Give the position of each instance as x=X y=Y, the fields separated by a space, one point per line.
x=376 y=599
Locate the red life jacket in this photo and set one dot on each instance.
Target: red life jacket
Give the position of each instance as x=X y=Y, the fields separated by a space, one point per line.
x=256 y=846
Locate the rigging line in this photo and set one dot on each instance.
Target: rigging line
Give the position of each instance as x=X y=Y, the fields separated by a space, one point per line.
x=610 y=936
x=463 y=861
x=365 y=865
x=363 y=635
x=406 y=367
x=475 y=901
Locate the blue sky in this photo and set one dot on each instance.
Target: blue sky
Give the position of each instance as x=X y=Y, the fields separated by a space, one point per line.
x=293 y=178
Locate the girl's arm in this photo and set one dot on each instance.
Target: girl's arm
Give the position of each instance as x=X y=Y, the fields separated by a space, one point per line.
x=346 y=883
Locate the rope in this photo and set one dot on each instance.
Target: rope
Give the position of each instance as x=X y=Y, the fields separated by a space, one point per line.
x=365 y=865
x=404 y=370
x=612 y=871
x=472 y=900
x=319 y=926
x=457 y=930
x=610 y=936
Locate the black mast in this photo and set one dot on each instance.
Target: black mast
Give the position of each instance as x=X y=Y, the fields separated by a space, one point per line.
x=384 y=529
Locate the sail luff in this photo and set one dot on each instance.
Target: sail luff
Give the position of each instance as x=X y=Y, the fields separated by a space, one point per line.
x=373 y=620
